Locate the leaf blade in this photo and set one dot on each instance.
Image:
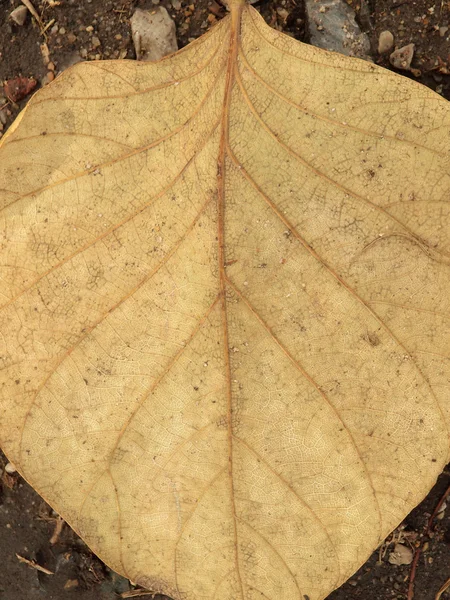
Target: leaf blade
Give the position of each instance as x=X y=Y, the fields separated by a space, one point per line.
x=222 y=357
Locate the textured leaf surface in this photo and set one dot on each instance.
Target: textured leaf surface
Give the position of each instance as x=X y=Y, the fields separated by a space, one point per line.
x=225 y=313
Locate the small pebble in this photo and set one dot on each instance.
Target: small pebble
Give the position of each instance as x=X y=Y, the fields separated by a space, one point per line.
x=50 y=76
x=443 y=30
x=62 y=31
x=89 y=28
x=71 y=38
x=401 y=555
x=95 y=41
x=83 y=52
x=10 y=468
x=401 y=57
x=385 y=42
x=19 y=15
x=51 y=66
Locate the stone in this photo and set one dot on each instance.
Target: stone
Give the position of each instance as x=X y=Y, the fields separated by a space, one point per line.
x=153 y=33
x=332 y=26
x=401 y=57
x=385 y=42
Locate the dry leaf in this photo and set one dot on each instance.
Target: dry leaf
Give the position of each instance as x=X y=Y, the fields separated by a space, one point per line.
x=225 y=323
x=16 y=89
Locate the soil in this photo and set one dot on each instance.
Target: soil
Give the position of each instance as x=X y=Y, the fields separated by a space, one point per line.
x=99 y=29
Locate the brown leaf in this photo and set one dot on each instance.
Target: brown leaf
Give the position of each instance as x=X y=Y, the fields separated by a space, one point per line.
x=225 y=316
x=18 y=88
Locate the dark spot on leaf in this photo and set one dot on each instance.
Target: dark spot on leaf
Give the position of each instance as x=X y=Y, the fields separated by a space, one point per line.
x=372 y=339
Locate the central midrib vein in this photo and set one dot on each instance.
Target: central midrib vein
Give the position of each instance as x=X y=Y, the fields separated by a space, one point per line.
x=236 y=7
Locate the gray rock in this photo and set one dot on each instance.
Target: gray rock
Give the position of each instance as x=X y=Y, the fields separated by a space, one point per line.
x=153 y=33
x=19 y=15
x=385 y=42
x=332 y=26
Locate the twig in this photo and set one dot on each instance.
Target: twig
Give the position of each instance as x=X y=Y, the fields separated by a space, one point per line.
x=33 y=12
x=34 y=565
x=429 y=527
x=136 y=593
x=58 y=528
x=443 y=589
x=49 y=24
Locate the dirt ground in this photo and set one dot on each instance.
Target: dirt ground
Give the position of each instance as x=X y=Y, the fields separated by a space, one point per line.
x=99 y=29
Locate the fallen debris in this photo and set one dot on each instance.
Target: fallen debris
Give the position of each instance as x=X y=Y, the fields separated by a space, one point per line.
x=33 y=11
x=17 y=88
x=19 y=15
x=45 y=53
x=8 y=480
x=421 y=547
x=59 y=524
x=34 y=565
x=136 y=593
x=443 y=589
